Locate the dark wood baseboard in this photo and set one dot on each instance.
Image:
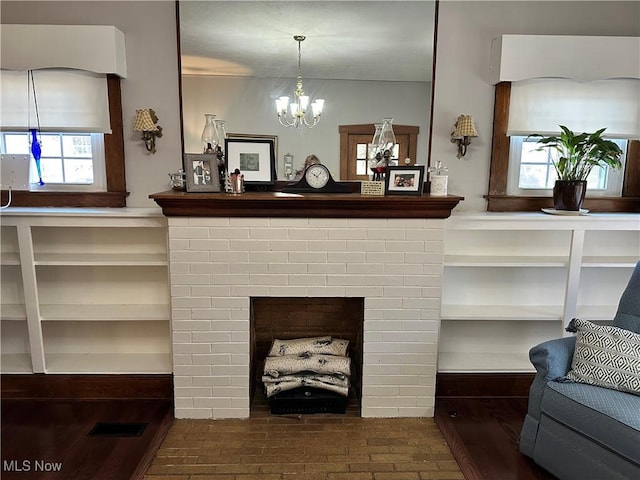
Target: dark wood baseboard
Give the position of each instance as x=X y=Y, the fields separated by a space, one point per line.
x=483 y=384
x=86 y=387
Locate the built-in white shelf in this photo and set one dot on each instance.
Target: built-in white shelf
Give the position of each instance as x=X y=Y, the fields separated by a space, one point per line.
x=512 y=280
x=10 y=258
x=610 y=261
x=85 y=291
x=502 y=312
x=16 y=363
x=101 y=259
x=107 y=363
x=14 y=311
x=504 y=261
x=106 y=313
x=452 y=362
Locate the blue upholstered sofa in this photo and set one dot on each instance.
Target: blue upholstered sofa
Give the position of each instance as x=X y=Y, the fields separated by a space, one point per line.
x=579 y=431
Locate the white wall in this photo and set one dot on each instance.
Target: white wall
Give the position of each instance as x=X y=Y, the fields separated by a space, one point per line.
x=152 y=82
x=247 y=105
x=461 y=83
x=465 y=31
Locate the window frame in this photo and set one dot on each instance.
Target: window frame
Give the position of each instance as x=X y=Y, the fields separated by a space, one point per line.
x=97 y=160
x=613 y=177
x=499 y=201
x=116 y=192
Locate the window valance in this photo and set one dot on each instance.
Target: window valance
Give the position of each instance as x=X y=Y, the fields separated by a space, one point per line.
x=522 y=57
x=93 y=48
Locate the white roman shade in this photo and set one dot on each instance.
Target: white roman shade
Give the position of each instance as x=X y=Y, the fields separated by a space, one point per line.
x=68 y=100
x=541 y=105
x=70 y=64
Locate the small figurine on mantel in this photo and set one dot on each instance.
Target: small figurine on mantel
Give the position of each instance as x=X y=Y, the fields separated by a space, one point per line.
x=310 y=160
x=234 y=183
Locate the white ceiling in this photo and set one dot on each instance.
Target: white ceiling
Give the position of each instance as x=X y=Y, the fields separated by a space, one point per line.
x=373 y=40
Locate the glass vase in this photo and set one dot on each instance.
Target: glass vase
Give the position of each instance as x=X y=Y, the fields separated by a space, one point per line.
x=209 y=139
x=220 y=130
x=387 y=137
x=373 y=146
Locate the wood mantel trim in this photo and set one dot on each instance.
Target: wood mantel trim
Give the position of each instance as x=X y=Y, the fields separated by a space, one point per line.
x=274 y=204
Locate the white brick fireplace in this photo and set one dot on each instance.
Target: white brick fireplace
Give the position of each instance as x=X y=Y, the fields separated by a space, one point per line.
x=219 y=264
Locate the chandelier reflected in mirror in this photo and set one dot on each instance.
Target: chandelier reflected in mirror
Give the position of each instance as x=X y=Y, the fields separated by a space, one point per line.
x=299 y=107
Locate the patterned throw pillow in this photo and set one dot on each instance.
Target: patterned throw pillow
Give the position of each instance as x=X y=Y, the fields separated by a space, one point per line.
x=605 y=356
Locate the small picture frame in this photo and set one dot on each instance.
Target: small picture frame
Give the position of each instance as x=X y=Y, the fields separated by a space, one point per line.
x=202 y=172
x=255 y=158
x=405 y=180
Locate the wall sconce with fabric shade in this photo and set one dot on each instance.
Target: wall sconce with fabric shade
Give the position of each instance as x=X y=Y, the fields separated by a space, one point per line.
x=462 y=133
x=146 y=123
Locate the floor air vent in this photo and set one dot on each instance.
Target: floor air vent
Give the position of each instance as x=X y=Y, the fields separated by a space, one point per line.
x=113 y=429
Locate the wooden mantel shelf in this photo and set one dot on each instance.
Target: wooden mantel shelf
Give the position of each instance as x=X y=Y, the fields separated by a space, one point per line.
x=277 y=204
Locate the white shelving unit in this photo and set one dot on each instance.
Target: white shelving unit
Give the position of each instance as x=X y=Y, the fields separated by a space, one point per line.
x=512 y=280
x=84 y=291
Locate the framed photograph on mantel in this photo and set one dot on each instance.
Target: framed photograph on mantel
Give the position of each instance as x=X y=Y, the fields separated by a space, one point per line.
x=251 y=136
x=405 y=180
x=255 y=158
x=202 y=172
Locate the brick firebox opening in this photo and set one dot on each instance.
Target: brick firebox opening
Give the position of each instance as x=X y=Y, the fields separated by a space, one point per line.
x=299 y=317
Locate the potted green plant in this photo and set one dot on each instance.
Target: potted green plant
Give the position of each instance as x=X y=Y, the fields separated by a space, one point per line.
x=573 y=157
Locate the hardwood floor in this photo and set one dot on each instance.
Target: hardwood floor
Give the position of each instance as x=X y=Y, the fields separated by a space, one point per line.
x=47 y=421
x=49 y=439
x=483 y=433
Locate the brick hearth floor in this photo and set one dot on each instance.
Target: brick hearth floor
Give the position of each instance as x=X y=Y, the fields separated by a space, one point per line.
x=307 y=447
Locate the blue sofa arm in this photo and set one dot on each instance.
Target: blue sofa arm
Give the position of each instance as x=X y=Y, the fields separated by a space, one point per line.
x=552 y=359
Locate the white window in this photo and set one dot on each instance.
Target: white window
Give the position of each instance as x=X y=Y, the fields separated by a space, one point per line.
x=531 y=172
x=69 y=161
x=69 y=110
x=540 y=106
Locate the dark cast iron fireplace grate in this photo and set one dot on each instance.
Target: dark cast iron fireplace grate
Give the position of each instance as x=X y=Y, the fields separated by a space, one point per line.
x=307 y=400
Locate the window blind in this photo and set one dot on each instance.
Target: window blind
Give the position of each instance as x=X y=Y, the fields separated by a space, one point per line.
x=67 y=100
x=541 y=105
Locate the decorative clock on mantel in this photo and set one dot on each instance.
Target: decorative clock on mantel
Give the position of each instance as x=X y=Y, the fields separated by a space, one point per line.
x=317 y=179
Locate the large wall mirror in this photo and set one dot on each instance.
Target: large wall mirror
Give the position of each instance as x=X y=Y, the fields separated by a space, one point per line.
x=367 y=59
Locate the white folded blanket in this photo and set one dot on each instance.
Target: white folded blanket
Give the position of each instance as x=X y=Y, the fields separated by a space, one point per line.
x=326 y=364
x=339 y=381
x=292 y=382
x=322 y=345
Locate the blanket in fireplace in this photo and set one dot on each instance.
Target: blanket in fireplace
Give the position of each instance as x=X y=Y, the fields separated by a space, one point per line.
x=306 y=362
x=331 y=383
x=322 y=345
x=318 y=362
